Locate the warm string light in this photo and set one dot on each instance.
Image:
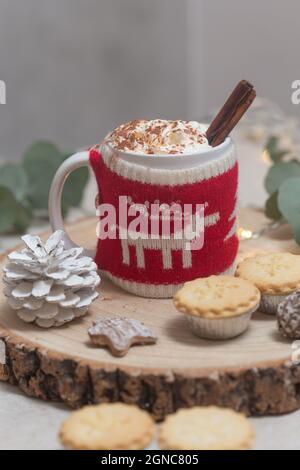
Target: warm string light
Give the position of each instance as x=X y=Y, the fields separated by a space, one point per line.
x=266 y=157
x=247 y=234
x=244 y=234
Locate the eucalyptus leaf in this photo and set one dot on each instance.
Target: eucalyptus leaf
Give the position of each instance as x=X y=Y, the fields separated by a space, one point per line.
x=279 y=172
x=25 y=187
x=273 y=150
x=74 y=188
x=13 y=216
x=271 y=207
x=41 y=162
x=289 y=204
x=13 y=177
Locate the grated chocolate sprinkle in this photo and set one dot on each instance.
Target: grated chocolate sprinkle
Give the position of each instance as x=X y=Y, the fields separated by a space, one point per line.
x=159 y=137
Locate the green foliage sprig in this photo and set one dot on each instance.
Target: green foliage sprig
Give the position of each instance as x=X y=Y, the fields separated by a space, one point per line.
x=24 y=186
x=282 y=183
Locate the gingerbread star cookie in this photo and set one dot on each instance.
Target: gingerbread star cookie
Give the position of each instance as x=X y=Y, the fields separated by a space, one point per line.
x=109 y=426
x=119 y=334
x=206 y=428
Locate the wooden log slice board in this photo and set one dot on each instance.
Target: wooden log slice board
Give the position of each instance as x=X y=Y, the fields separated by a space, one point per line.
x=252 y=373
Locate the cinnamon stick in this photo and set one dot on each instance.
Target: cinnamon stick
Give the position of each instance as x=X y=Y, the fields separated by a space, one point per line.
x=230 y=113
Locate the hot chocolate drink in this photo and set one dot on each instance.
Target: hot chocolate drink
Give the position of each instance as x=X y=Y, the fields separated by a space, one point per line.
x=159 y=137
x=164 y=163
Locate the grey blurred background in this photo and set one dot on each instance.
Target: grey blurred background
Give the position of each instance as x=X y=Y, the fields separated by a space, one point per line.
x=76 y=68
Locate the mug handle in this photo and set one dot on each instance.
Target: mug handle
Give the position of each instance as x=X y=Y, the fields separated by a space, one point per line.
x=77 y=160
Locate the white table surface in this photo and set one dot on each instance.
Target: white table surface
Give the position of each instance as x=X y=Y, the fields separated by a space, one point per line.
x=27 y=423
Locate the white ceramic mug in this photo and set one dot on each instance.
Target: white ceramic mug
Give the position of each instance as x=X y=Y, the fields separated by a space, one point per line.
x=208 y=176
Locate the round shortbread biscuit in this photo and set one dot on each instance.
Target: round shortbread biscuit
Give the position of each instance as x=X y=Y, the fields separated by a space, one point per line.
x=109 y=426
x=206 y=428
x=272 y=273
x=217 y=296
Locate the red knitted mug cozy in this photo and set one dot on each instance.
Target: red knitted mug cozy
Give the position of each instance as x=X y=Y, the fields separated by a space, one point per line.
x=157 y=268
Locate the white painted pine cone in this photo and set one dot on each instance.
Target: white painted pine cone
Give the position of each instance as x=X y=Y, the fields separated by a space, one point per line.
x=47 y=284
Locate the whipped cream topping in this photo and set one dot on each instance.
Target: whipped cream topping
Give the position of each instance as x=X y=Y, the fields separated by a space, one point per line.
x=159 y=137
